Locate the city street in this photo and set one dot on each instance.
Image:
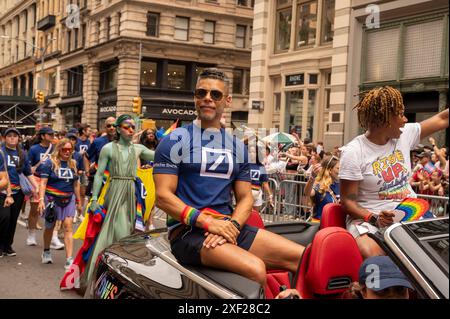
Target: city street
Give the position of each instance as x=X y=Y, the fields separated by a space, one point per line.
x=24 y=276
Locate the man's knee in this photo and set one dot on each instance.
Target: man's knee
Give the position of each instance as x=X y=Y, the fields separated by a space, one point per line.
x=257 y=271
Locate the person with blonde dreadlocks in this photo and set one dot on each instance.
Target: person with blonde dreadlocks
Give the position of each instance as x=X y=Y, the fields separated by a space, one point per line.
x=375 y=167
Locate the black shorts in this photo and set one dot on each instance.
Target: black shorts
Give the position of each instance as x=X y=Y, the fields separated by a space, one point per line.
x=187 y=245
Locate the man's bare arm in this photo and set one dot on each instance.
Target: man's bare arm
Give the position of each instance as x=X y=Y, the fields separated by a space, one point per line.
x=244 y=201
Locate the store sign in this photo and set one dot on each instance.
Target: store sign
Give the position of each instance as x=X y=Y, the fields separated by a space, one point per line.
x=173 y=111
x=295 y=79
x=108 y=109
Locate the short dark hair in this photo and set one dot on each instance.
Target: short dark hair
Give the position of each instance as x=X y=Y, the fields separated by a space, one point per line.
x=82 y=127
x=214 y=73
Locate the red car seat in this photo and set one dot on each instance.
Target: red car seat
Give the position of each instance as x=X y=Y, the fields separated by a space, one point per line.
x=276 y=279
x=329 y=264
x=333 y=215
x=255 y=220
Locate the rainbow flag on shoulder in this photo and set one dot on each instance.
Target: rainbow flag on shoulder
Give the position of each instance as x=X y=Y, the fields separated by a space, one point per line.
x=168 y=131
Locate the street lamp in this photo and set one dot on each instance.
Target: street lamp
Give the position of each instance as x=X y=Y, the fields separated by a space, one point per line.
x=41 y=78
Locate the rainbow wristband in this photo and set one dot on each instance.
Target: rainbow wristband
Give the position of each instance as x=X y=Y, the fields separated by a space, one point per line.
x=189 y=215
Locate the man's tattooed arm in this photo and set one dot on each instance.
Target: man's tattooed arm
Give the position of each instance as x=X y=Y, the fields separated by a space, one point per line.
x=349 y=199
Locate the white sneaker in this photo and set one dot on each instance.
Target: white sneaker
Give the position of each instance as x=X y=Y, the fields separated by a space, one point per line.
x=31 y=239
x=47 y=257
x=68 y=263
x=56 y=244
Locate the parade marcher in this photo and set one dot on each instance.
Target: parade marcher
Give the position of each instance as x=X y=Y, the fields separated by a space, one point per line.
x=18 y=167
x=6 y=201
x=392 y=283
x=37 y=155
x=121 y=156
x=93 y=152
x=259 y=179
x=323 y=188
x=59 y=196
x=194 y=188
x=375 y=167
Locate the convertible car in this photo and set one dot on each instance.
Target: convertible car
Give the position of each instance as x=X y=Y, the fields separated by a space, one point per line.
x=142 y=265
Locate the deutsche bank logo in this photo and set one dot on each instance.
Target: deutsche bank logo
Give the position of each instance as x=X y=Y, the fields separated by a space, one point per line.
x=65 y=173
x=43 y=156
x=216 y=163
x=143 y=191
x=255 y=173
x=11 y=162
x=83 y=148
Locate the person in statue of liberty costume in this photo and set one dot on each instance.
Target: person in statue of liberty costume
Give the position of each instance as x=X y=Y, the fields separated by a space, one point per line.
x=121 y=157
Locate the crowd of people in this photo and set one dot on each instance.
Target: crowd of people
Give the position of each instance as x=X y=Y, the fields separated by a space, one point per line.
x=56 y=172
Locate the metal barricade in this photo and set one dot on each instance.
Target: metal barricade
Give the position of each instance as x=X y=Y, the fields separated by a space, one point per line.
x=268 y=212
x=438 y=204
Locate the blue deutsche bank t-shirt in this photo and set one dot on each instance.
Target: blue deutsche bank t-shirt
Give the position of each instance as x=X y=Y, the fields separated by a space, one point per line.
x=2 y=164
x=36 y=153
x=79 y=159
x=320 y=200
x=207 y=163
x=12 y=157
x=258 y=175
x=61 y=182
x=82 y=146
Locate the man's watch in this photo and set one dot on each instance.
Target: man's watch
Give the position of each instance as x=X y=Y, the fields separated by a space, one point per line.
x=236 y=224
x=373 y=219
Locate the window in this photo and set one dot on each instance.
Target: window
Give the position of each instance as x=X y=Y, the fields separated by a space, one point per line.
x=306 y=24
x=246 y=3
x=240 y=36
x=149 y=71
x=68 y=38
x=181 y=28
x=52 y=83
x=176 y=76
x=119 y=17
x=108 y=27
x=294 y=110
x=75 y=31
x=327 y=98
x=75 y=81
x=277 y=101
x=381 y=65
x=328 y=21
x=97 y=31
x=284 y=18
x=33 y=40
x=152 y=24
x=208 y=33
x=312 y=78
x=108 y=76
x=310 y=115
x=238 y=77
x=83 y=35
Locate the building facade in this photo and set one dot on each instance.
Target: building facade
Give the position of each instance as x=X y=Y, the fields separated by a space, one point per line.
x=17 y=63
x=100 y=54
x=311 y=59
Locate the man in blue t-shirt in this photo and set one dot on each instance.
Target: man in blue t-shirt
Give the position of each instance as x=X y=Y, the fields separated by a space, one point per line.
x=93 y=152
x=196 y=167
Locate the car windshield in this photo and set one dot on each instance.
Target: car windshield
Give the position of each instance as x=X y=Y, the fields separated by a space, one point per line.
x=433 y=235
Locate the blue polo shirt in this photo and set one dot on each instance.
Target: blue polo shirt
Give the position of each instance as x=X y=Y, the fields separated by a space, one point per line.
x=207 y=163
x=82 y=145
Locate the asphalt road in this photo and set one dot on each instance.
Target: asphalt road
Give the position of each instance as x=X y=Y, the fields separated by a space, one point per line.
x=25 y=277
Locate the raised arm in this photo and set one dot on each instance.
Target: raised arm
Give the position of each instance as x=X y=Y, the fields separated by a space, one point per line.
x=434 y=124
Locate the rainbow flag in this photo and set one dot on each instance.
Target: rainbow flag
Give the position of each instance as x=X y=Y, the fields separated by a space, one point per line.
x=414 y=208
x=171 y=128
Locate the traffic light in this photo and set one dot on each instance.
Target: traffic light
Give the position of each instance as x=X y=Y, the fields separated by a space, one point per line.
x=137 y=105
x=40 y=98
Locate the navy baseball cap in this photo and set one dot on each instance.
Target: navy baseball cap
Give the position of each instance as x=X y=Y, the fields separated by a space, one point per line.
x=11 y=129
x=73 y=130
x=71 y=135
x=380 y=272
x=46 y=130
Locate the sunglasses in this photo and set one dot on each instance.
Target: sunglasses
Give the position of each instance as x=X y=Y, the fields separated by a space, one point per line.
x=216 y=95
x=329 y=161
x=66 y=150
x=109 y=125
x=127 y=126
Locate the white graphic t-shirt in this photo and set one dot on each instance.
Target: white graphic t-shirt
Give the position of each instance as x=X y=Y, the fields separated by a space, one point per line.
x=384 y=170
